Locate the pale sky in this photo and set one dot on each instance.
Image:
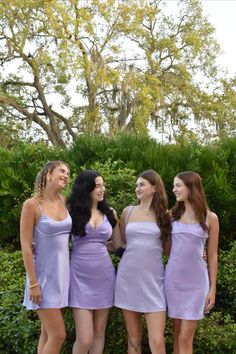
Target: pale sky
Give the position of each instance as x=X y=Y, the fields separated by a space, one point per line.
x=222 y=15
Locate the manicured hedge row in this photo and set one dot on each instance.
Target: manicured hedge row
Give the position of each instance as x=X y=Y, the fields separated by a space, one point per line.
x=19 y=328
x=120 y=159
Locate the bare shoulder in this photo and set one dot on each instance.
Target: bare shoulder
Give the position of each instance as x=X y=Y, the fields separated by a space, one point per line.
x=30 y=209
x=212 y=217
x=30 y=203
x=125 y=211
x=114 y=212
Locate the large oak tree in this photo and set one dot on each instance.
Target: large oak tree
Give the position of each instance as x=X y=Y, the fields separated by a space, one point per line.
x=71 y=66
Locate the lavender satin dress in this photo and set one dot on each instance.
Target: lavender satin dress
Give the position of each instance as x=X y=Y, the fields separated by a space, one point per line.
x=186 y=275
x=92 y=275
x=140 y=276
x=52 y=265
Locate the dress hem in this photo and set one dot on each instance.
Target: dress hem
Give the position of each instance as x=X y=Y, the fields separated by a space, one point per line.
x=188 y=318
x=139 y=310
x=90 y=307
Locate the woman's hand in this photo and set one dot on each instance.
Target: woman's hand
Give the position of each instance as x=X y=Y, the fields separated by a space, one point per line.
x=35 y=295
x=210 y=301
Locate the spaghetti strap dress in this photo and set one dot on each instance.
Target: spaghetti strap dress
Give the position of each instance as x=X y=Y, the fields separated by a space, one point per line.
x=51 y=259
x=92 y=274
x=140 y=275
x=186 y=275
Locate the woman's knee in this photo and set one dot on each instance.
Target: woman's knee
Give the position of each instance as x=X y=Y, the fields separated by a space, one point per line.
x=157 y=344
x=185 y=339
x=60 y=336
x=84 y=342
x=99 y=334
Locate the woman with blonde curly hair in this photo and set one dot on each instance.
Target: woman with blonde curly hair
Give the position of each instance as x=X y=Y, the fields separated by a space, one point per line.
x=45 y=226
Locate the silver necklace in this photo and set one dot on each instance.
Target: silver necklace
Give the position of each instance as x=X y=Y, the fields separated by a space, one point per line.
x=189 y=217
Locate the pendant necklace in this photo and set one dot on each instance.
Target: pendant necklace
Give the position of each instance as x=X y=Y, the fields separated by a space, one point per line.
x=189 y=218
x=146 y=212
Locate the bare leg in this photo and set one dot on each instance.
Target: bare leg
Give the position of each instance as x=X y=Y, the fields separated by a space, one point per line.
x=42 y=340
x=99 y=328
x=54 y=333
x=176 y=331
x=156 y=326
x=186 y=336
x=134 y=329
x=84 y=330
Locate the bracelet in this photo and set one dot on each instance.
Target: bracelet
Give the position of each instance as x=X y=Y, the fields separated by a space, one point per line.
x=212 y=291
x=33 y=286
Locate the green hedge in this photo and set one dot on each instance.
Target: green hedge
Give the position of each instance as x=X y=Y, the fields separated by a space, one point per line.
x=130 y=154
x=19 y=329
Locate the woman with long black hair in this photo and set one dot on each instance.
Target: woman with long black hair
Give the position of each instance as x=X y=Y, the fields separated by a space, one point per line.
x=92 y=279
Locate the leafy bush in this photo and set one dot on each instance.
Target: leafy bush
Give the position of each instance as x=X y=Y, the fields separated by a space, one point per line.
x=226 y=283
x=130 y=154
x=19 y=329
x=216 y=335
x=17 y=174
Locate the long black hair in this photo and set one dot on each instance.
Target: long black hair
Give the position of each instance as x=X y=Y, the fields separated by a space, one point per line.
x=80 y=202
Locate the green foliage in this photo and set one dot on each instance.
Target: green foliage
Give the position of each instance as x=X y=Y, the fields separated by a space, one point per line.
x=156 y=82
x=226 y=283
x=19 y=328
x=19 y=167
x=216 y=334
x=120 y=159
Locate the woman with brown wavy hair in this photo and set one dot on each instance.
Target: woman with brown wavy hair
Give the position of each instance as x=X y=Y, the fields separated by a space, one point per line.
x=139 y=285
x=190 y=286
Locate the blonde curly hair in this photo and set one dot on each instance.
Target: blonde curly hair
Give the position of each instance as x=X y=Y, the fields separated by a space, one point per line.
x=41 y=179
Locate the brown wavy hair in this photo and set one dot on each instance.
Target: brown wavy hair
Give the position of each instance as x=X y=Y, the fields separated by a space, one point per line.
x=41 y=179
x=159 y=203
x=196 y=198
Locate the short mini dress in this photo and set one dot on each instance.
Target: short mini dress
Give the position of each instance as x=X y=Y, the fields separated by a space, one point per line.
x=186 y=275
x=52 y=262
x=140 y=275
x=92 y=274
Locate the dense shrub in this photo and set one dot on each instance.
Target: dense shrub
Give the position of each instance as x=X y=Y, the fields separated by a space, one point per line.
x=19 y=328
x=226 y=288
x=17 y=174
x=216 y=164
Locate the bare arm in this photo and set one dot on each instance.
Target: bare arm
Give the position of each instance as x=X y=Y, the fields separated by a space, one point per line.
x=116 y=234
x=123 y=219
x=27 y=222
x=212 y=257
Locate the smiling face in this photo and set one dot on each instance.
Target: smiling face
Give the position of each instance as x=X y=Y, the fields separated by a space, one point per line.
x=144 y=189
x=97 y=194
x=59 y=176
x=180 y=190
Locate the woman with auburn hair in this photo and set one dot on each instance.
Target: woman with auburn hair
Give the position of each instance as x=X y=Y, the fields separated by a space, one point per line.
x=190 y=286
x=92 y=279
x=45 y=227
x=140 y=278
